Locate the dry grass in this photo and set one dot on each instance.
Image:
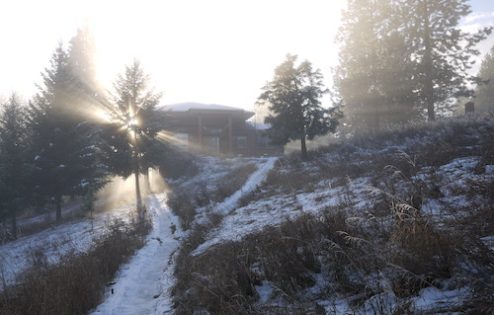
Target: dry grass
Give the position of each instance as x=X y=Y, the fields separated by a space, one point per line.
x=233 y=181
x=76 y=284
x=223 y=280
x=411 y=254
x=185 y=201
x=392 y=239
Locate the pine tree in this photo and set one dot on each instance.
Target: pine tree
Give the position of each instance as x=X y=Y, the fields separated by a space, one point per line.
x=15 y=166
x=81 y=63
x=90 y=97
x=81 y=58
x=67 y=159
x=444 y=52
x=484 y=93
x=294 y=96
x=129 y=137
x=375 y=76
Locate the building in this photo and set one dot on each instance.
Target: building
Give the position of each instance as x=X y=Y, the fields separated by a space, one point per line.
x=217 y=130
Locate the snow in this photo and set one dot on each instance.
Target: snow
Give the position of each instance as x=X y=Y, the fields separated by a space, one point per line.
x=432 y=298
x=489 y=169
x=264 y=291
x=277 y=209
x=252 y=182
x=338 y=306
x=53 y=243
x=454 y=183
x=382 y=303
x=231 y=202
x=142 y=285
x=488 y=241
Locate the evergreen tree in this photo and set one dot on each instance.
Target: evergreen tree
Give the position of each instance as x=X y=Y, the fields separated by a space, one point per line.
x=399 y=57
x=67 y=159
x=375 y=76
x=81 y=58
x=294 y=96
x=129 y=138
x=443 y=51
x=15 y=166
x=81 y=63
x=484 y=93
x=90 y=95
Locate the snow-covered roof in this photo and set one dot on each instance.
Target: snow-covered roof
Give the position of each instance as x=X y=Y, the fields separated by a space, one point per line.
x=183 y=107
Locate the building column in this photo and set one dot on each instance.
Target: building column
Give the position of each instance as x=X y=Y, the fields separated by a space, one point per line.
x=230 y=135
x=199 y=133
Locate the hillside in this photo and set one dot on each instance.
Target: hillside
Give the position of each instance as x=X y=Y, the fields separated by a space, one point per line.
x=390 y=223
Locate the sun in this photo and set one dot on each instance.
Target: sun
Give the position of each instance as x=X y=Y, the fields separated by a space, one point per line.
x=222 y=52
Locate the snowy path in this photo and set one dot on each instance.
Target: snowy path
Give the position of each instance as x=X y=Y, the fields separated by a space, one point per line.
x=230 y=203
x=142 y=285
x=252 y=182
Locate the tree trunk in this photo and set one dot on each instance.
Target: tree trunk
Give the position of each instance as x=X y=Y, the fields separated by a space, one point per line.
x=428 y=66
x=140 y=209
x=303 y=147
x=58 y=209
x=14 y=223
x=147 y=181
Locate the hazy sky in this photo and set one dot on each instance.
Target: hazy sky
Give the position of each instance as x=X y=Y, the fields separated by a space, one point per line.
x=211 y=51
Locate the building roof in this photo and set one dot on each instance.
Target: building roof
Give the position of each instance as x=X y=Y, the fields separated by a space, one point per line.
x=210 y=108
x=183 y=107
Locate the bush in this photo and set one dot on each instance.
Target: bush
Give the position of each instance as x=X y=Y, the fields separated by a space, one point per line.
x=182 y=206
x=77 y=283
x=233 y=181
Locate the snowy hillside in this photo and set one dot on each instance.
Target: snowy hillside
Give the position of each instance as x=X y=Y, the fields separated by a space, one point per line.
x=143 y=286
x=391 y=223
x=53 y=243
x=398 y=222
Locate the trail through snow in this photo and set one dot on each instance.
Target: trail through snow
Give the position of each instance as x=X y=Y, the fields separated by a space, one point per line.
x=252 y=182
x=142 y=285
x=230 y=203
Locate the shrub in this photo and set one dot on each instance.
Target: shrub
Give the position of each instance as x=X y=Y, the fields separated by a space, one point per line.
x=76 y=284
x=182 y=206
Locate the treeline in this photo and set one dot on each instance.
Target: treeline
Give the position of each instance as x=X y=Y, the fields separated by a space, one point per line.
x=403 y=60
x=72 y=135
x=399 y=61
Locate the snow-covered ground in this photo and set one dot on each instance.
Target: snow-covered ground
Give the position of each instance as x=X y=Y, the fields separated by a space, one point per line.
x=142 y=285
x=277 y=209
x=446 y=184
x=53 y=243
x=230 y=203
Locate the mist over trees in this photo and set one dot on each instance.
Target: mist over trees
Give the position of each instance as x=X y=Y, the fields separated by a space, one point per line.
x=134 y=110
x=66 y=161
x=375 y=74
x=484 y=93
x=401 y=60
x=56 y=146
x=15 y=166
